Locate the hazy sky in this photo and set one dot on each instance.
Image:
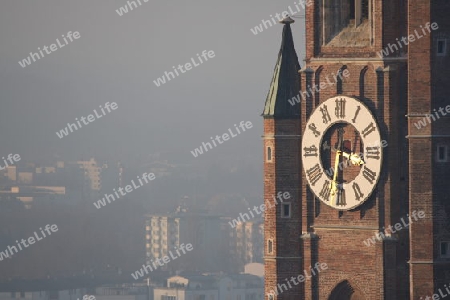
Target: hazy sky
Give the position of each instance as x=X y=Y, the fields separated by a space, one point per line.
x=117 y=58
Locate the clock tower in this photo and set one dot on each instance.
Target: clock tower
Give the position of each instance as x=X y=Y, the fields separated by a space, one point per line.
x=360 y=138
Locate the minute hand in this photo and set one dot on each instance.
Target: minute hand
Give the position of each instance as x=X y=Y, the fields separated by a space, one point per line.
x=333 y=184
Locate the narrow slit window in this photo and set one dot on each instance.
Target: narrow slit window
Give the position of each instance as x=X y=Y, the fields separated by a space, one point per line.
x=442 y=153
x=270 y=246
x=441 y=47
x=286 y=210
x=269 y=153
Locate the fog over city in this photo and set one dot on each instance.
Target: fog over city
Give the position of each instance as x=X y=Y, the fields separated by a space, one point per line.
x=117 y=58
x=116 y=116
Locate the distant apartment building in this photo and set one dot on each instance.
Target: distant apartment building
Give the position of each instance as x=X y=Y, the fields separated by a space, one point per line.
x=11 y=173
x=25 y=178
x=248 y=239
x=211 y=287
x=93 y=178
x=92 y=171
x=203 y=231
x=27 y=194
x=64 y=181
x=217 y=246
x=162 y=234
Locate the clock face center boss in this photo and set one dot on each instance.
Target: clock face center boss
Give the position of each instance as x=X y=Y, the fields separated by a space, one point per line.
x=341 y=152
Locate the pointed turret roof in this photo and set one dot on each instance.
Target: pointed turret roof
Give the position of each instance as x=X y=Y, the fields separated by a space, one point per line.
x=285 y=83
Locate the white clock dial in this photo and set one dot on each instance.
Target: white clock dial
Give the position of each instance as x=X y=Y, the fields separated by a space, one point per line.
x=342 y=152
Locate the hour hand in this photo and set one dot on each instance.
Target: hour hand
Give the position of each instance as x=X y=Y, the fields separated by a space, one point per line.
x=354 y=158
x=333 y=184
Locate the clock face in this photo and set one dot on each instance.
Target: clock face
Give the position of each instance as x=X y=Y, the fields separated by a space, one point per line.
x=342 y=152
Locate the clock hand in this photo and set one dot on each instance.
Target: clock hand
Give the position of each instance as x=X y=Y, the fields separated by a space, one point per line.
x=334 y=184
x=339 y=152
x=355 y=159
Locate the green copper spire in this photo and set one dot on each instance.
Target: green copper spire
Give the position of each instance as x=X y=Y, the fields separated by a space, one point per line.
x=285 y=83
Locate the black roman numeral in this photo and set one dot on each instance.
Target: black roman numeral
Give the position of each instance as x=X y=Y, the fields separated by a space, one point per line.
x=340 y=108
x=369 y=174
x=311 y=151
x=325 y=192
x=358 y=194
x=341 y=197
x=369 y=129
x=325 y=115
x=373 y=152
x=314 y=174
x=313 y=128
x=356 y=114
